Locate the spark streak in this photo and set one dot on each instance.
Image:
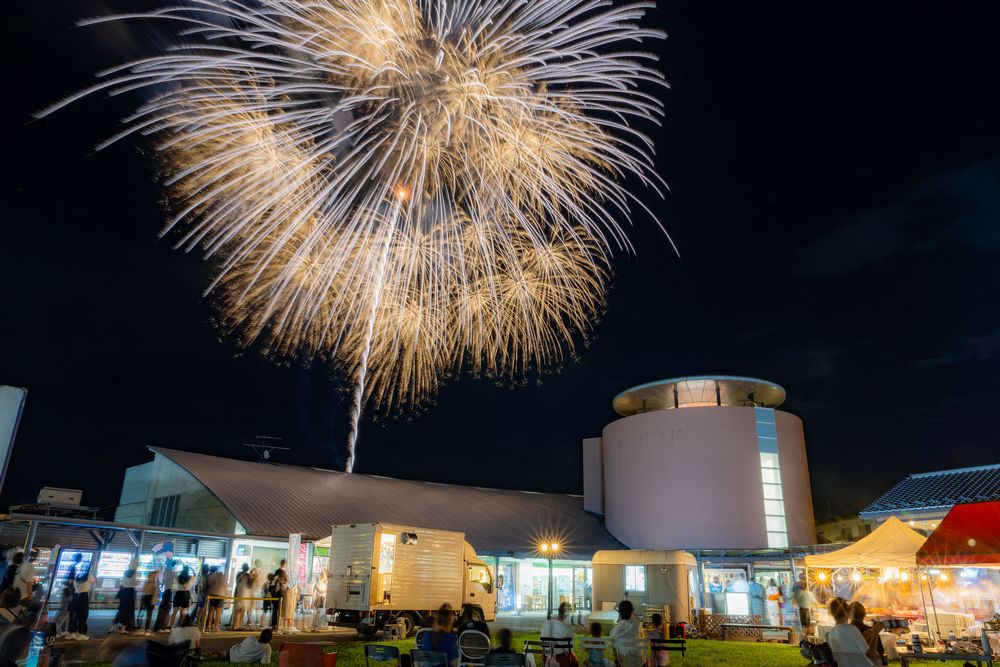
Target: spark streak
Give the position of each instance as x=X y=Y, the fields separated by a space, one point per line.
x=407 y=188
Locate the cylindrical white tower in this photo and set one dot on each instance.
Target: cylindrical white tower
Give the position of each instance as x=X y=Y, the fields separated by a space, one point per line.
x=702 y=462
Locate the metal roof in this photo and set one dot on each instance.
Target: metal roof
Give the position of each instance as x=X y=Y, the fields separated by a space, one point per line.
x=938 y=490
x=698 y=390
x=277 y=499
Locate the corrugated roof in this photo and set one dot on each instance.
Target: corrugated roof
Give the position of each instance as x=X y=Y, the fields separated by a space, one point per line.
x=935 y=490
x=276 y=499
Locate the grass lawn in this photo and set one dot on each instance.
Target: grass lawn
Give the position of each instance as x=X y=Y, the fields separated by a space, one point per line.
x=701 y=653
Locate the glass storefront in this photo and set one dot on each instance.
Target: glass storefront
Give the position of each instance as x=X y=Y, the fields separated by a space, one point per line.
x=525 y=586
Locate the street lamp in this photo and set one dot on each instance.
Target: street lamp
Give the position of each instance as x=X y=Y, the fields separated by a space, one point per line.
x=549 y=550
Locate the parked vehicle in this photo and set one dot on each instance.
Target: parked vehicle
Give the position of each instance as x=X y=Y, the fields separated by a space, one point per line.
x=385 y=573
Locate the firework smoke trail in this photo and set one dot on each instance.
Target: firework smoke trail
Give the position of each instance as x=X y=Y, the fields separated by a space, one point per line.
x=285 y=129
x=358 y=400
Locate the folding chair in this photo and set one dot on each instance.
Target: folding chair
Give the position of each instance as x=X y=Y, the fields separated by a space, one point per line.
x=473 y=646
x=381 y=653
x=416 y=637
x=655 y=645
x=504 y=660
x=602 y=644
x=556 y=645
x=428 y=658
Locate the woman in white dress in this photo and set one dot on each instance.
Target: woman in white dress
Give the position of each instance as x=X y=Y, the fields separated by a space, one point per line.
x=850 y=648
x=319 y=602
x=773 y=605
x=244 y=593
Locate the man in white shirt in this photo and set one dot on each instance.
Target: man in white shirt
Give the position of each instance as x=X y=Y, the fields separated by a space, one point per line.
x=81 y=605
x=252 y=650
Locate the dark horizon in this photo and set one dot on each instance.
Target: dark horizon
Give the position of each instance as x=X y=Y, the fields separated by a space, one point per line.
x=835 y=190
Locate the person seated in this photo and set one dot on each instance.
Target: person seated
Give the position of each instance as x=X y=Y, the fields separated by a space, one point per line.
x=870 y=633
x=469 y=622
x=505 y=642
x=11 y=611
x=185 y=632
x=656 y=630
x=849 y=646
x=13 y=645
x=252 y=650
x=441 y=638
x=595 y=656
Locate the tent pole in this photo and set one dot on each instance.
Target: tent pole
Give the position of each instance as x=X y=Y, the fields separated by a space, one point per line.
x=923 y=603
x=930 y=593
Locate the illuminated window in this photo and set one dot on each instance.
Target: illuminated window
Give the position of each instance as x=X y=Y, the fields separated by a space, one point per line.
x=770 y=475
x=635 y=578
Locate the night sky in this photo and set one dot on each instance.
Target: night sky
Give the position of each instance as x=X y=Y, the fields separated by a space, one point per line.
x=835 y=196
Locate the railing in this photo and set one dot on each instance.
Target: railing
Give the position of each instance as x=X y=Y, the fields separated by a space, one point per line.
x=209 y=598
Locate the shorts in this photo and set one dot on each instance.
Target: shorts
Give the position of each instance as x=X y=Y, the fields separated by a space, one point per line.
x=182 y=599
x=215 y=603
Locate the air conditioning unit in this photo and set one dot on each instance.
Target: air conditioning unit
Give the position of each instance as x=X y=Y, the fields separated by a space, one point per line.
x=56 y=496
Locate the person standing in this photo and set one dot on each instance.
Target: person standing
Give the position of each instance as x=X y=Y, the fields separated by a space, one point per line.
x=217 y=596
x=758 y=598
x=717 y=595
x=182 y=594
x=168 y=581
x=80 y=612
x=150 y=597
x=773 y=603
x=21 y=575
x=202 y=588
x=804 y=600
x=258 y=583
x=125 y=618
x=319 y=602
x=243 y=605
x=279 y=583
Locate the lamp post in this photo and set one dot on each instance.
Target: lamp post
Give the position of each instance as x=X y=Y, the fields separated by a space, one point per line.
x=549 y=549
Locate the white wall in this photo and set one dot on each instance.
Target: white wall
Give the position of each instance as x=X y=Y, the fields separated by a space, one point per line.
x=690 y=479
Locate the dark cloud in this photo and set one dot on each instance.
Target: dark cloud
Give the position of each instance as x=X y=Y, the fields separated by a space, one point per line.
x=958 y=206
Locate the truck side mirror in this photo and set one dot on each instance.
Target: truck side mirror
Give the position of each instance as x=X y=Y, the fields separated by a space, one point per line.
x=500 y=581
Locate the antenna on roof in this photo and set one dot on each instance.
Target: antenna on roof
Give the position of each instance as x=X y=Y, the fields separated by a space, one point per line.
x=264 y=446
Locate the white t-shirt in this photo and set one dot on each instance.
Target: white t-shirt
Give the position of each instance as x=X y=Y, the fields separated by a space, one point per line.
x=849 y=646
x=23 y=579
x=250 y=650
x=190 y=634
x=84 y=585
x=169 y=580
x=740 y=586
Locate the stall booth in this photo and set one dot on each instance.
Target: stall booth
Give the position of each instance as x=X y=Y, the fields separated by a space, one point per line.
x=653 y=580
x=879 y=570
x=961 y=560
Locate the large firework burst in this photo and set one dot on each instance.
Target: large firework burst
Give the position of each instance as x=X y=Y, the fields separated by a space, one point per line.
x=407 y=187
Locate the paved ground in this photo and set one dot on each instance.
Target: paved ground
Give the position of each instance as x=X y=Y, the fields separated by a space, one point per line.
x=101 y=646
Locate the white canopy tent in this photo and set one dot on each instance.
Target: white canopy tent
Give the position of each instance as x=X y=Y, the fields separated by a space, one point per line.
x=893 y=544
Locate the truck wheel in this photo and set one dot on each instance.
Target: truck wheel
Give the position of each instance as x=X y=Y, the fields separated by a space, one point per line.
x=476 y=614
x=409 y=624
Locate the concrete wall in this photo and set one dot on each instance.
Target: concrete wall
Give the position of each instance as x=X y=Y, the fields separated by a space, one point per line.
x=198 y=509
x=593 y=476
x=690 y=479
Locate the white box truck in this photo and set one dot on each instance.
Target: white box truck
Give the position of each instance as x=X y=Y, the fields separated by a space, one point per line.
x=382 y=573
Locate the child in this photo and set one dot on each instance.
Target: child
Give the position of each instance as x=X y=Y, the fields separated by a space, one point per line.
x=595 y=656
x=656 y=631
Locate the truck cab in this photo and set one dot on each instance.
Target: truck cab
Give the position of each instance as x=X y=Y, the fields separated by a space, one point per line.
x=480 y=593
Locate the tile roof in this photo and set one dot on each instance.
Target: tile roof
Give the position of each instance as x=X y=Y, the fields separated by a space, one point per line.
x=934 y=490
x=276 y=500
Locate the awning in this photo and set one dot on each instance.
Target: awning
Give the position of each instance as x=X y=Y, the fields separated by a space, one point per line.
x=893 y=544
x=968 y=535
x=643 y=557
